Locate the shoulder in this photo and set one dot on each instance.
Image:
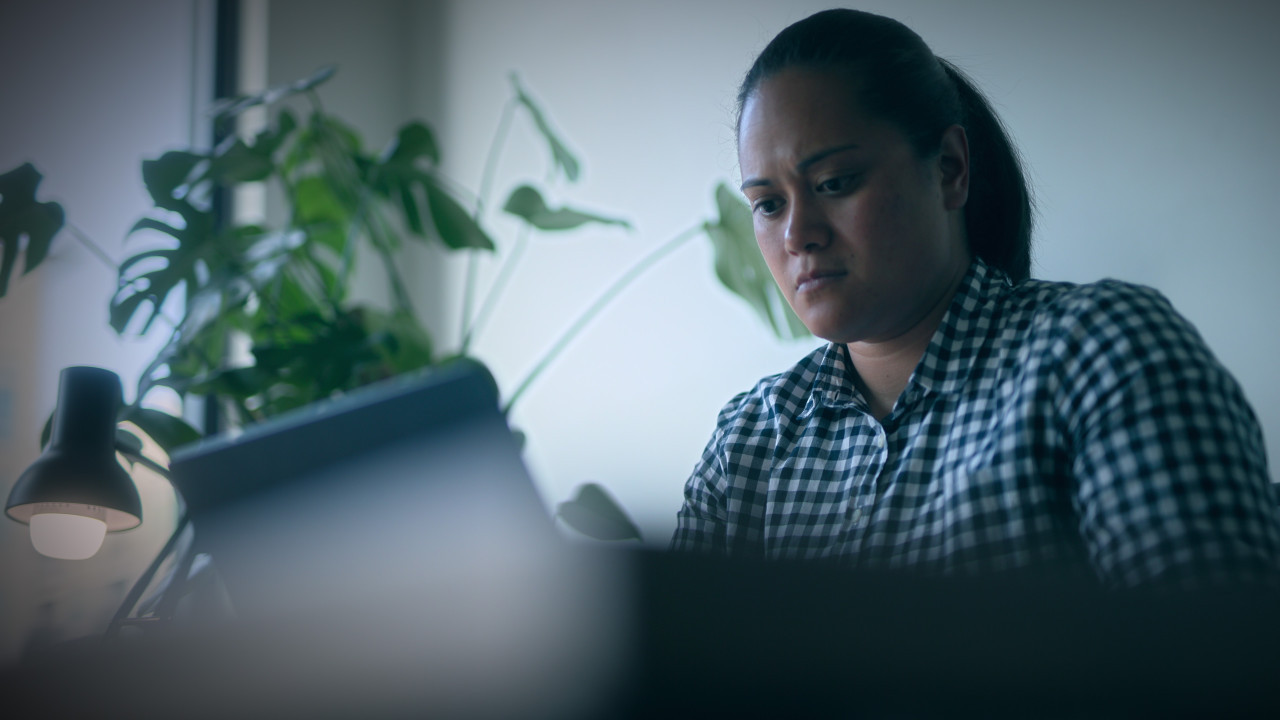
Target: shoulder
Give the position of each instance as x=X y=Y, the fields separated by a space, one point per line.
x=1106 y=300
x=1111 y=320
x=1111 y=349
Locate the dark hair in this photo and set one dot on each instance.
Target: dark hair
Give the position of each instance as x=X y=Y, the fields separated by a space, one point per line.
x=902 y=81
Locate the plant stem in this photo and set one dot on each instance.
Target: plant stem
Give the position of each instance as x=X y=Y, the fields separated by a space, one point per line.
x=482 y=199
x=398 y=288
x=367 y=215
x=499 y=284
x=314 y=98
x=604 y=299
x=495 y=151
x=468 y=291
x=338 y=164
x=94 y=247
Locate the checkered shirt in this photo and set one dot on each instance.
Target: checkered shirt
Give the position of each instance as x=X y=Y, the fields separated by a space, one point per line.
x=1047 y=424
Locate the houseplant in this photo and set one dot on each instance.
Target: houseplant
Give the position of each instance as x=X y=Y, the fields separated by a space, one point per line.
x=262 y=317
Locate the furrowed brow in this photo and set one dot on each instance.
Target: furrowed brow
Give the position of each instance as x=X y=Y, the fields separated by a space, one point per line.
x=801 y=166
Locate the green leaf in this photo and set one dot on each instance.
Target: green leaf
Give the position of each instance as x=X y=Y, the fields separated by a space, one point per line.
x=409 y=205
x=196 y=242
x=166 y=174
x=526 y=202
x=235 y=383
x=21 y=216
x=456 y=227
x=217 y=272
x=413 y=142
x=168 y=431
x=332 y=133
x=126 y=440
x=314 y=203
x=560 y=154
x=269 y=140
x=742 y=269
x=236 y=162
x=396 y=174
x=594 y=513
x=400 y=341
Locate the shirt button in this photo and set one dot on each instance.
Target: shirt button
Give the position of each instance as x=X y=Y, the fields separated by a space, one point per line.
x=879 y=440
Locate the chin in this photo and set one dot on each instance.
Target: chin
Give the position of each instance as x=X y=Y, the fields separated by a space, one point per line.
x=829 y=332
x=830 y=323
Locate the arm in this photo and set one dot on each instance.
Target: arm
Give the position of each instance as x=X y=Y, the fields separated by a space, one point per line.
x=1171 y=483
x=702 y=524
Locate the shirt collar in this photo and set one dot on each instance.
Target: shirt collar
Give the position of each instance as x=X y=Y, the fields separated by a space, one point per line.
x=948 y=360
x=963 y=332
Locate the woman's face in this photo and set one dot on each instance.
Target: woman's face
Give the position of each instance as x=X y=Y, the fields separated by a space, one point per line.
x=864 y=237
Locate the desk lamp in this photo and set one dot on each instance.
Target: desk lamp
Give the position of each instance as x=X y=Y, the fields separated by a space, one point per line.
x=77 y=491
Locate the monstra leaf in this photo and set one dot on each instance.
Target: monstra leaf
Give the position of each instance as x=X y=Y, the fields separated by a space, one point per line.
x=21 y=216
x=456 y=227
x=742 y=269
x=526 y=202
x=196 y=242
x=166 y=174
x=560 y=154
x=594 y=513
x=397 y=173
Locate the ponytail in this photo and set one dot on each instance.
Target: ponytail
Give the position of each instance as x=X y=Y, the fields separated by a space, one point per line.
x=997 y=216
x=902 y=81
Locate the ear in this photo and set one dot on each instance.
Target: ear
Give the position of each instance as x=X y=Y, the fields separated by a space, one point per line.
x=953 y=161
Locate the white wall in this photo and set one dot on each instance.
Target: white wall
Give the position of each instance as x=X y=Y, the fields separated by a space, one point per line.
x=90 y=89
x=1150 y=136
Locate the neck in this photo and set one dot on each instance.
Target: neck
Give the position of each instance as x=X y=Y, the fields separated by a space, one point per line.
x=884 y=367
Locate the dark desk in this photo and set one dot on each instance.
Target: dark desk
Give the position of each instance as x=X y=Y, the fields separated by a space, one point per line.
x=645 y=634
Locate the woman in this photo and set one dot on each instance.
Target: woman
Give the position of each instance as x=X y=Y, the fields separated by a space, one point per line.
x=963 y=418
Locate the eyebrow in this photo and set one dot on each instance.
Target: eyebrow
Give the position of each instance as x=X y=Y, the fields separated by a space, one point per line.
x=801 y=166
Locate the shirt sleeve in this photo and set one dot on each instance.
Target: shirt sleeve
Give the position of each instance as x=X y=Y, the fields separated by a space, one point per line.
x=1171 y=484
x=702 y=525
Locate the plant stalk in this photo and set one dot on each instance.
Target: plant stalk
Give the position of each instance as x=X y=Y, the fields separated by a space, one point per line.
x=94 y=247
x=599 y=304
x=482 y=199
x=496 y=289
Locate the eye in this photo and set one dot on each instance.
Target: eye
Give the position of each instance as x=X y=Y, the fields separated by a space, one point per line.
x=765 y=206
x=836 y=185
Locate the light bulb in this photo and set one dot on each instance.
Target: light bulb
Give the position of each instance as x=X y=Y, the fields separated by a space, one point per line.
x=67 y=537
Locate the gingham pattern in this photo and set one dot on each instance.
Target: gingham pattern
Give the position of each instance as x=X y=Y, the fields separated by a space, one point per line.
x=1082 y=425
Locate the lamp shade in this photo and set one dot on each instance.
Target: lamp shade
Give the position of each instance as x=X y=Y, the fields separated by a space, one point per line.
x=78 y=473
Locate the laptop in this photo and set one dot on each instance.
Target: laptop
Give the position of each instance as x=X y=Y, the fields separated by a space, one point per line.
x=375 y=491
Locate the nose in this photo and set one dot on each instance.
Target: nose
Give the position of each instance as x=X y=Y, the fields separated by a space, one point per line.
x=806 y=229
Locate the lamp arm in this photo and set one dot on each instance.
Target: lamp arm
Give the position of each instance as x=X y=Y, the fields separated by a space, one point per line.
x=135 y=593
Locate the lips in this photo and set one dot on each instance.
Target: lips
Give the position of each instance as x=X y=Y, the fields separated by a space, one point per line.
x=815 y=279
